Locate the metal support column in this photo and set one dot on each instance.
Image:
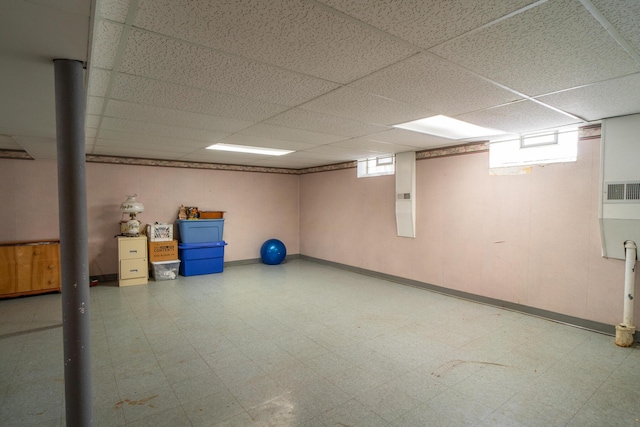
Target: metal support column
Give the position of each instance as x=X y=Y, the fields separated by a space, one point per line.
x=72 y=200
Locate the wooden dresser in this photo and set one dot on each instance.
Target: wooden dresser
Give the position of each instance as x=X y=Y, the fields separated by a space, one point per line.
x=29 y=267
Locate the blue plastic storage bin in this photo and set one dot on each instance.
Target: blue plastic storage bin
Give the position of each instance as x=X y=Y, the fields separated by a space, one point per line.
x=200 y=230
x=201 y=258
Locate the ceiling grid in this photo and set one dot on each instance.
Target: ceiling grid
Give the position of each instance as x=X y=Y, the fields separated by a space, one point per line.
x=326 y=78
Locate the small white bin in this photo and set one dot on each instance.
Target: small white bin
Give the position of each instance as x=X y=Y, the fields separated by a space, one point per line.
x=165 y=270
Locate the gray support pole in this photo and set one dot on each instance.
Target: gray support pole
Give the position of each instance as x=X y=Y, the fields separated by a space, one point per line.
x=72 y=200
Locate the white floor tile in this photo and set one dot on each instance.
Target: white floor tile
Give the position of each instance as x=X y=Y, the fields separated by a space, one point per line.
x=303 y=344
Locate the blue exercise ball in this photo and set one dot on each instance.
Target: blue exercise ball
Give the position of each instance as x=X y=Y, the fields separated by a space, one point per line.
x=273 y=252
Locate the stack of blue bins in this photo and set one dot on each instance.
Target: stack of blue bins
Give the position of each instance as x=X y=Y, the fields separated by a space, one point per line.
x=201 y=248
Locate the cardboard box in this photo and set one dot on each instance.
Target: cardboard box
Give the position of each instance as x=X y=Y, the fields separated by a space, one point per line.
x=163 y=251
x=211 y=214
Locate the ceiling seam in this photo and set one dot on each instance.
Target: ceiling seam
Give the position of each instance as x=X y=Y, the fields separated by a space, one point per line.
x=427 y=51
x=235 y=55
x=613 y=32
x=290 y=107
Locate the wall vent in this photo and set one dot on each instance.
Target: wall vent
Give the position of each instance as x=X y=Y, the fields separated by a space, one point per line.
x=623 y=192
x=633 y=191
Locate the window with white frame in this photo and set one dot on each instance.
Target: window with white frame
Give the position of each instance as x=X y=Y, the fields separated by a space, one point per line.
x=534 y=149
x=376 y=166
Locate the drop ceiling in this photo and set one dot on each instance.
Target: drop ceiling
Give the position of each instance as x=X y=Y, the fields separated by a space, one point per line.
x=325 y=78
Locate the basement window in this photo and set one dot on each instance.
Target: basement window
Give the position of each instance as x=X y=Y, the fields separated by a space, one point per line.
x=534 y=149
x=376 y=166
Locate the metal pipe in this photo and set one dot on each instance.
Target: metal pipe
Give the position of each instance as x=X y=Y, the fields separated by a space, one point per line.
x=626 y=329
x=629 y=281
x=72 y=200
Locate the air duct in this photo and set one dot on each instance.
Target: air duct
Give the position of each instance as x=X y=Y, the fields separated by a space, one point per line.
x=406 y=194
x=626 y=329
x=620 y=206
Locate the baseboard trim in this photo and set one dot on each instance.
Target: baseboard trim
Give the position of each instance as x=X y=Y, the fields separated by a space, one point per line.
x=533 y=311
x=578 y=322
x=114 y=277
x=105 y=277
x=256 y=261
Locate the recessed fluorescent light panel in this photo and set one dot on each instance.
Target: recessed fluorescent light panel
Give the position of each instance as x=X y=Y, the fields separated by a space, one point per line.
x=447 y=127
x=249 y=149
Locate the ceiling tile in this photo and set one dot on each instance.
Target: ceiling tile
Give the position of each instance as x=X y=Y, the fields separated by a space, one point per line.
x=123 y=110
x=430 y=82
x=519 y=117
x=624 y=15
x=146 y=128
x=565 y=47
x=222 y=157
x=172 y=96
x=313 y=121
x=91 y=121
x=128 y=151
x=90 y=132
x=287 y=162
x=291 y=134
x=338 y=154
x=105 y=44
x=427 y=23
x=94 y=105
x=114 y=10
x=412 y=139
x=295 y=35
x=363 y=106
x=148 y=147
x=257 y=141
x=156 y=56
x=362 y=144
x=138 y=138
x=98 y=81
x=617 y=97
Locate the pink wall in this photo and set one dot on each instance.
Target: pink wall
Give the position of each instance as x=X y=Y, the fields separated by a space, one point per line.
x=258 y=205
x=29 y=200
x=528 y=239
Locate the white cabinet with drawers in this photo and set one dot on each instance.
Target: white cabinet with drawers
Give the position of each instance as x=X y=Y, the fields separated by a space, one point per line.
x=133 y=266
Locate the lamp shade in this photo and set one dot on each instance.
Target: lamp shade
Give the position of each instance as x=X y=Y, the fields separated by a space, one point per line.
x=131 y=205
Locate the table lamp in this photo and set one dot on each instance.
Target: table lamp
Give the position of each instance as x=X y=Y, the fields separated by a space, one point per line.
x=133 y=207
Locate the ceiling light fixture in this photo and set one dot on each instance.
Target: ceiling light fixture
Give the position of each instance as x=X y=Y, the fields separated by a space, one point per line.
x=447 y=127
x=249 y=149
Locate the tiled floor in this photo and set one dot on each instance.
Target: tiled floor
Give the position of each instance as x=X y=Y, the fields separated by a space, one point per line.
x=303 y=344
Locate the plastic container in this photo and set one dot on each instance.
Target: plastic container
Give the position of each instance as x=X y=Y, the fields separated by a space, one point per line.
x=165 y=270
x=201 y=258
x=200 y=230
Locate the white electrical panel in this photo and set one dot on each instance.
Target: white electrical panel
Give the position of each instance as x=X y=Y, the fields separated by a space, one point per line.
x=620 y=184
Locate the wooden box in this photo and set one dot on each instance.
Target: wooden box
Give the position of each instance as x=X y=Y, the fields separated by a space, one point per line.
x=211 y=214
